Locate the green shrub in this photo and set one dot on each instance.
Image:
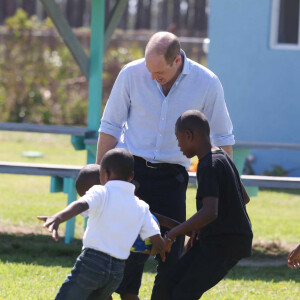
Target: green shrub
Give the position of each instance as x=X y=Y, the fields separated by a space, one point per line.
x=34 y=73
x=40 y=81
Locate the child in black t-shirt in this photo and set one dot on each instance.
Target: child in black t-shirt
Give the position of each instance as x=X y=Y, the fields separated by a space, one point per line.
x=221 y=228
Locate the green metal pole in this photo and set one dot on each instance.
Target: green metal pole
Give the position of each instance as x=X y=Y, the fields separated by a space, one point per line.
x=95 y=71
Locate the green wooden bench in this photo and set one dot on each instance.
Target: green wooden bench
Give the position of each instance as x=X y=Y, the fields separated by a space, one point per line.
x=62 y=176
x=62 y=180
x=275 y=182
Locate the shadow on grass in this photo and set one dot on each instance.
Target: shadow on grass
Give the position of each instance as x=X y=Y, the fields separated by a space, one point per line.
x=42 y=250
x=38 y=249
x=267 y=274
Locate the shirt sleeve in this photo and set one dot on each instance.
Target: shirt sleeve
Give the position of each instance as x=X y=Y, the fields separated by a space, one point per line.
x=85 y=213
x=215 y=110
x=208 y=184
x=149 y=227
x=116 y=111
x=95 y=198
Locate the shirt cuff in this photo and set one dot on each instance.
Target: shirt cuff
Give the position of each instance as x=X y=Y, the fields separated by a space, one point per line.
x=110 y=129
x=226 y=140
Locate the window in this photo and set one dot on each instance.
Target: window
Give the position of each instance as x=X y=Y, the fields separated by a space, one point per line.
x=285 y=24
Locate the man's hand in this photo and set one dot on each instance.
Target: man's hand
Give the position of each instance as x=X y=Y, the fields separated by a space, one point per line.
x=52 y=223
x=192 y=240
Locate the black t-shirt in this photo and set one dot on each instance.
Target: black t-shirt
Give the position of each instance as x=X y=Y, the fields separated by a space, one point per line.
x=218 y=177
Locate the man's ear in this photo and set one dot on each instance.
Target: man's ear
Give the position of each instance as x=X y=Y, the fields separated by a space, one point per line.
x=177 y=60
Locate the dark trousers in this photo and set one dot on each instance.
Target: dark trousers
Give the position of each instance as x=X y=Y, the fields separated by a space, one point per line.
x=201 y=268
x=164 y=189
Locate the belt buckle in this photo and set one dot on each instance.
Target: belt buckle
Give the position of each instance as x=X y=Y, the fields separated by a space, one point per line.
x=150 y=166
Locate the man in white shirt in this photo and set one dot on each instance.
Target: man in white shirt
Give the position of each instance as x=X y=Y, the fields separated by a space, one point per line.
x=145 y=102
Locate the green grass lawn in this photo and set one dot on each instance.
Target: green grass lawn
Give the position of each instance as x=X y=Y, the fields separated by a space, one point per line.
x=32 y=266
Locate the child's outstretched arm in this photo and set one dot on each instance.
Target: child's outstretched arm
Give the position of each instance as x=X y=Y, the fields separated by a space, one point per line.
x=168 y=222
x=207 y=214
x=72 y=210
x=293 y=259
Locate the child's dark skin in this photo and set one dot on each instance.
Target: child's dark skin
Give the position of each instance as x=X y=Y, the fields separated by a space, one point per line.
x=191 y=143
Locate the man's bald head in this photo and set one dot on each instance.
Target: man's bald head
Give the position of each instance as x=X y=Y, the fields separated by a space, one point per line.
x=164 y=43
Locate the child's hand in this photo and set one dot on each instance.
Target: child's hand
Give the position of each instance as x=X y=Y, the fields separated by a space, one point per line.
x=293 y=260
x=162 y=254
x=52 y=223
x=193 y=239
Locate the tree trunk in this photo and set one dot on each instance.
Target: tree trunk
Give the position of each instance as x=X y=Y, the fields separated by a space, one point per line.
x=147 y=19
x=74 y=12
x=176 y=15
x=29 y=6
x=10 y=7
x=139 y=15
x=186 y=16
x=107 y=10
x=124 y=19
x=2 y=12
x=163 y=18
x=200 y=17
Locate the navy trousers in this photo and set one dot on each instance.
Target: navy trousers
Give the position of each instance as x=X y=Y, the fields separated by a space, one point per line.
x=164 y=189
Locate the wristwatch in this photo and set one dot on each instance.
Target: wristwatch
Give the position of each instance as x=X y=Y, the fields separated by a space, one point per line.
x=166 y=237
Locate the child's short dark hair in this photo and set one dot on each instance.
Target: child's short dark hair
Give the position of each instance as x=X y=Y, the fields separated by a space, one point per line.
x=193 y=120
x=120 y=162
x=88 y=176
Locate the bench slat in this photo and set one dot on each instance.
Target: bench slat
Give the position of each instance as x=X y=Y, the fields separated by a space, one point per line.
x=72 y=130
x=271 y=181
x=39 y=169
x=263 y=181
x=72 y=171
x=266 y=145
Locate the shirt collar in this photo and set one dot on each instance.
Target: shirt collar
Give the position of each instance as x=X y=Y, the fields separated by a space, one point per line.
x=186 y=65
x=124 y=185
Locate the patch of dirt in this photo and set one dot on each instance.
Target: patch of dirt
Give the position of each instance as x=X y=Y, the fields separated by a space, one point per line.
x=20 y=231
x=265 y=253
x=262 y=262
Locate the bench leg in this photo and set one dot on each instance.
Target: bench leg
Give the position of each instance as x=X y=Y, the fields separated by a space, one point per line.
x=69 y=188
x=239 y=157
